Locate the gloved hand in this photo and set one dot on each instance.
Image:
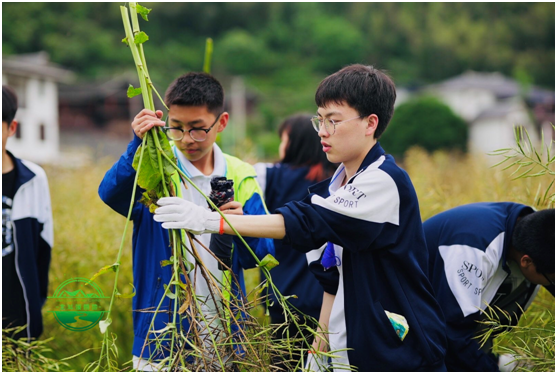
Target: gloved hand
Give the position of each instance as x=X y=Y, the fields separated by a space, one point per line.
x=177 y=213
x=316 y=362
x=507 y=362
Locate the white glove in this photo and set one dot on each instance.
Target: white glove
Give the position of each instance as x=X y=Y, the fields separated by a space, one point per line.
x=316 y=362
x=507 y=362
x=177 y=213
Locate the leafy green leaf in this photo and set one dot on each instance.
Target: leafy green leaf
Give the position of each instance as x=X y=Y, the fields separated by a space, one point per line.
x=126 y=296
x=125 y=41
x=132 y=91
x=140 y=38
x=105 y=269
x=268 y=262
x=149 y=178
x=143 y=12
x=166 y=263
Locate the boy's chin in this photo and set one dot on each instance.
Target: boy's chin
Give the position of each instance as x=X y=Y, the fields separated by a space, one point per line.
x=332 y=158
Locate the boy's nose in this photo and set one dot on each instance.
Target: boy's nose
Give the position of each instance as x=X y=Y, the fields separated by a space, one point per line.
x=323 y=132
x=187 y=139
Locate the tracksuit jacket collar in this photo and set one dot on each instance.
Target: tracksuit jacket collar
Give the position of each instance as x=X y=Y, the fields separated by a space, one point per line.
x=23 y=174
x=373 y=155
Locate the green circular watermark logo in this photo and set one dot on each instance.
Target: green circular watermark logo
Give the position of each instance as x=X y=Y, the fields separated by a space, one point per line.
x=80 y=304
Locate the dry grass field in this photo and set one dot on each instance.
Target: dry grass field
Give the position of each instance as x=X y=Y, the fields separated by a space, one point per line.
x=88 y=235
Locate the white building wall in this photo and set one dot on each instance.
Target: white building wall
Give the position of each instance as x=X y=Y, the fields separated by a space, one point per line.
x=468 y=103
x=490 y=134
x=41 y=108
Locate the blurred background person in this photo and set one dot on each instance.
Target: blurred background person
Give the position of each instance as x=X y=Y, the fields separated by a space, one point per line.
x=302 y=164
x=27 y=233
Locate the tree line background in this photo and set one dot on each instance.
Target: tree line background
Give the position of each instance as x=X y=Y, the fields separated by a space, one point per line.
x=283 y=50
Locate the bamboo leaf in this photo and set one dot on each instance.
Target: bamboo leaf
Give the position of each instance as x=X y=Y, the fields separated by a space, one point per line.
x=501 y=162
x=523 y=174
x=126 y=295
x=143 y=11
x=105 y=269
x=132 y=91
x=268 y=262
x=140 y=38
x=186 y=304
x=511 y=165
x=166 y=263
x=168 y=327
x=168 y=293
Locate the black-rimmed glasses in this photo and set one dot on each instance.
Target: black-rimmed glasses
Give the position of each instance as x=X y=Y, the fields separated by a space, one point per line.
x=177 y=133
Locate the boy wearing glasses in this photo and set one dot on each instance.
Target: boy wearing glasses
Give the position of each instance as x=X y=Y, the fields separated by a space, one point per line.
x=196 y=115
x=366 y=219
x=481 y=254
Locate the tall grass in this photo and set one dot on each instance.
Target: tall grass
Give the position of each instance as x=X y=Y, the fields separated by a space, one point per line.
x=87 y=237
x=444 y=181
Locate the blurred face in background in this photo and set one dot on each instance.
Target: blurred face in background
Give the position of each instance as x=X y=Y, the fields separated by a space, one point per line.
x=284 y=138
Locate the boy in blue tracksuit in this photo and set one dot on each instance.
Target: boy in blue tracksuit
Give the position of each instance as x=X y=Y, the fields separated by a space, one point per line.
x=196 y=115
x=482 y=254
x=367 y=216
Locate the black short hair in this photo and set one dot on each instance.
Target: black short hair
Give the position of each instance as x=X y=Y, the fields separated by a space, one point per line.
x=534 y=235
x=364 y=88
x=304 y=147
x=196 y=89
x=9 y=104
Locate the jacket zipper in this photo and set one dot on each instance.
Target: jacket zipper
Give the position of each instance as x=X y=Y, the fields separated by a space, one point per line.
x=21 y=281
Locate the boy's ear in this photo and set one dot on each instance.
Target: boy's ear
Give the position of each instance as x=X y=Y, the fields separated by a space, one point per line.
x=12 y=127
x=372 y=123
x=526 y=261
x=223 y=121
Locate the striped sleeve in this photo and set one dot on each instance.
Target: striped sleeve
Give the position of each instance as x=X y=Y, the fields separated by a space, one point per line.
x=359 y=215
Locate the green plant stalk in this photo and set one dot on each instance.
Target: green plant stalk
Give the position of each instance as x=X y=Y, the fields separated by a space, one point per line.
x=210 y=202
x=174 y=243
x=151 y=326
x=146 y=88
x=125 y=229
x=282 y=299
x=143 y=66
x=115 y=288
x=209 y=332
x=136 y=56
x=208 y=55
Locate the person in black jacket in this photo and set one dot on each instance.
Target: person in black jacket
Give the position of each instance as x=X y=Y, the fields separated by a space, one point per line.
x=27 y=233
x=487 y=257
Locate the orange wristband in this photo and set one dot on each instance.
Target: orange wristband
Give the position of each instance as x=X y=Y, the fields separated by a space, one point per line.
x=221 y=230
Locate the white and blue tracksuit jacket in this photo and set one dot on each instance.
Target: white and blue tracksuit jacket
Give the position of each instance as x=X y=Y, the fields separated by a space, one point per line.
x=374 y=222
x=33 y=235
x=468 y=248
